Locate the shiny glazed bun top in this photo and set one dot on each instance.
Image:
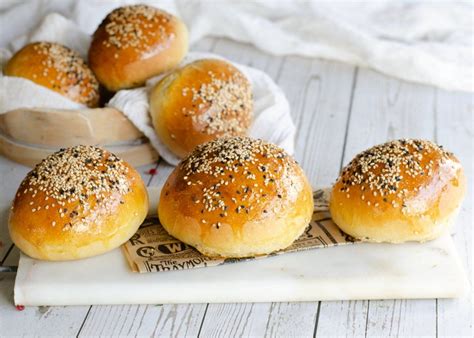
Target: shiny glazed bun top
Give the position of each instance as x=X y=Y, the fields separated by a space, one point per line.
x=58 y=68
x=200 y=102
x=78 y=202
x=134 y=43
x=236 y=197
x=398 y=191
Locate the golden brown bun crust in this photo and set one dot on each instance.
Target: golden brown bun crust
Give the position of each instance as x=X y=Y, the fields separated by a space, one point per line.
x=404 y=190
x=202 y=101
x=58 y=68
x=134 y=43
x=236 y=197
x=78 y=202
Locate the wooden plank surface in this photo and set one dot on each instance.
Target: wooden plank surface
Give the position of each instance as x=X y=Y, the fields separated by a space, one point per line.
x=11 y=175
x=342 y=318
x=454 y=129
x=42 y=320
x=339 y=111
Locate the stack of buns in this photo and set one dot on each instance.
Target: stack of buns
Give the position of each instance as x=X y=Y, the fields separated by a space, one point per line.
x=192 y=104
x=131 y=45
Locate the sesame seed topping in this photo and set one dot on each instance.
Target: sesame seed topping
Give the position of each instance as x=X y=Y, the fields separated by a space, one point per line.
x=223 y=104
x=81 y=176
x=218 y=163
x=73 y=77
x=387 y=169
x=138 y=27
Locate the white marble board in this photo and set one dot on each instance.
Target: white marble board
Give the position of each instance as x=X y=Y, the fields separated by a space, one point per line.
x=359 y=271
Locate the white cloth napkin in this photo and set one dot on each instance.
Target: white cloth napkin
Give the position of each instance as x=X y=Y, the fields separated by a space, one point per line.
x=272 y=119
x=21 y=93
x=422 y=41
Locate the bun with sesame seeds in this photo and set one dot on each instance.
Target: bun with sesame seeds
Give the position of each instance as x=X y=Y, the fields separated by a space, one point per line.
x=58 y=68
x=204 y=100
x=78 y=202
x=236 y=197
x=399 y=191
x=135 y=43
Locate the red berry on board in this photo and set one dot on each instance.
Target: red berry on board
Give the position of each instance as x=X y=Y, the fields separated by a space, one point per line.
x=20 y=307
x=152 y=171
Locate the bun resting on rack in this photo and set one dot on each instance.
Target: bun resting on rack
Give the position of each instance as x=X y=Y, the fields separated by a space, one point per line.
x=236 y=197
x=58 y=68
x=403 y=190
x=200 y=102
x=78 y=202
x=135 y=43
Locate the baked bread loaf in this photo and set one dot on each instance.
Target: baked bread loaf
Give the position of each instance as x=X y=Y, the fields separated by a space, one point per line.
x=236 y=197
x=200 y=102
x=78 y=202
x=58 y=68
x=403 y=190
x=134 y=43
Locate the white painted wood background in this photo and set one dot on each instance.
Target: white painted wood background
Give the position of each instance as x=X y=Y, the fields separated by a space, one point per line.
x=339 y=110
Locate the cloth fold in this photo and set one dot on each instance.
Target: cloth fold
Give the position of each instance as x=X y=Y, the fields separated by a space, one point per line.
x=272 y=120
x=419 y=41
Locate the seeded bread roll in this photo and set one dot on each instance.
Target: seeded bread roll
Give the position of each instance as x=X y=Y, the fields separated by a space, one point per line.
x=200 y=102
x=58 y=68
x=236 y=197
x=78 y=202
x=399 y=191
x=134 y=43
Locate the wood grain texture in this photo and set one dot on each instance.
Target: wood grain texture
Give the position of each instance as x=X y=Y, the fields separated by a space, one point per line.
x=401 y=318
x=42 y=320
x=11 y=175
x=64 y=128
x=454 y=114
x=236 y=320
x=342 y=319
x=143 y=320
x=319 y=93
x=292 y=319
x=137 y=155
x=13 y=257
